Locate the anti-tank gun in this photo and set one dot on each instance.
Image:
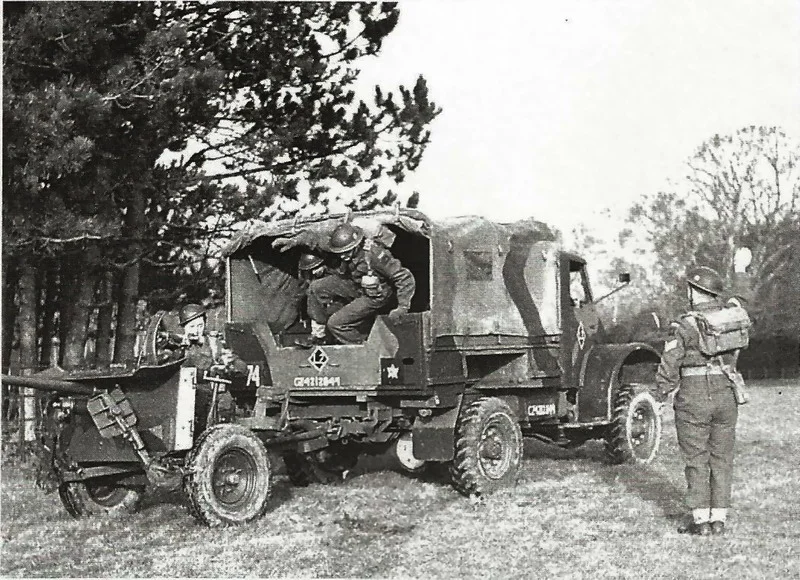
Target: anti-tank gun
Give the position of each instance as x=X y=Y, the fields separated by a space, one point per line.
x=107 y=433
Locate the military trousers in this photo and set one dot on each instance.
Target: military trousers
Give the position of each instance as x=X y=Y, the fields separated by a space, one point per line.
x=350 y=323
x=705 y=420
x=329 y=294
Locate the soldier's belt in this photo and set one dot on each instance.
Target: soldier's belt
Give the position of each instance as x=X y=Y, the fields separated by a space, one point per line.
x=701 y=371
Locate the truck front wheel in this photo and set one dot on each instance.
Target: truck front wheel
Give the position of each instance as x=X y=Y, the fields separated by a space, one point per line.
x=228 y=477
x=100 y=495
x=488 y=447
x=635 y=431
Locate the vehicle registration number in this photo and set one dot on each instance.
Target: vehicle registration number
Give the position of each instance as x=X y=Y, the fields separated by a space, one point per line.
x=539 y=410
x=317 y=382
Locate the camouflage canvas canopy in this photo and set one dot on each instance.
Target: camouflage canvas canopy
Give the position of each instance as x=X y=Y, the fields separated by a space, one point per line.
x=476 y=277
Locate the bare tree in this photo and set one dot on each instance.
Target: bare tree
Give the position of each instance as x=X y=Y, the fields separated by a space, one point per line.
x=740 y=189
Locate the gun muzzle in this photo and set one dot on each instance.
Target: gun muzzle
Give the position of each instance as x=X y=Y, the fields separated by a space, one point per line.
x=52 y=385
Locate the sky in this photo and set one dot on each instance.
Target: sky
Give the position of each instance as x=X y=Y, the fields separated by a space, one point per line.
x=557 y=110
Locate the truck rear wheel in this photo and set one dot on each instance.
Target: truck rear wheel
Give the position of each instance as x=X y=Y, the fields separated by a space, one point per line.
x=229 y=476
x=100 y=495
x=488 y=447
x=635 y=431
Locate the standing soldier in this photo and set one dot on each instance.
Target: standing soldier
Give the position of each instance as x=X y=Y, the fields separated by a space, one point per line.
x=371 y=281
x=699 y=365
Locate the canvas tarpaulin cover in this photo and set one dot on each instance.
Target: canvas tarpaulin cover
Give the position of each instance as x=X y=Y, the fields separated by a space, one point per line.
x=494 y=279
x=482 y=279
x=263 y=280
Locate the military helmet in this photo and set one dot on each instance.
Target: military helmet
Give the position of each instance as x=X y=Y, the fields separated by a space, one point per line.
x=705 y=279
x=190 y=312
x=345 y=237
x=309 y=261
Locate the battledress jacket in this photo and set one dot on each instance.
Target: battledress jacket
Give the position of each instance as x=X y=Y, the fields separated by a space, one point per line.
x=201 y=357
x=376 y=258
x=683 y=347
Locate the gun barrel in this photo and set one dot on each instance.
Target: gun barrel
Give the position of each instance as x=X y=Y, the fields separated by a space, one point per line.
x=53 y=385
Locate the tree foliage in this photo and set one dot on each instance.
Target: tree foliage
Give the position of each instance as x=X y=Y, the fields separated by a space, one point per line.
x=96 y=92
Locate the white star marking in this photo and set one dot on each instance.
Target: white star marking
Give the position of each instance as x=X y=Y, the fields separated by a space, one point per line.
x=393 y=372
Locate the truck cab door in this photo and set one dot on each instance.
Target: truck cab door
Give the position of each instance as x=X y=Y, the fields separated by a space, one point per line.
x=581 y=323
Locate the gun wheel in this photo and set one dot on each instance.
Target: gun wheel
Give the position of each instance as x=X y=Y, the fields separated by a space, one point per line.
x=100 y=495
x=229 y=476
x=635 y=431
x=488 y=447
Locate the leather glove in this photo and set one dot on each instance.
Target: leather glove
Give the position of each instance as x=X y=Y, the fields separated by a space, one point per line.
x=396 y=314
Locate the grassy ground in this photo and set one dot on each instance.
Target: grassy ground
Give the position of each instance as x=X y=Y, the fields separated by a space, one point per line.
x=569 y=516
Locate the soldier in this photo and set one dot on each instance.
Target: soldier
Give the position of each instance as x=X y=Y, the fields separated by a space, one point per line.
x=337 y=292
x=201 y=353
x=371 y=280
x=199 y=346
x=705 y=385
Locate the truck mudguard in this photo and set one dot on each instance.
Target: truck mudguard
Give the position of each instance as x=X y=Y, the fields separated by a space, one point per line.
x=602 y=371
x=434 y=436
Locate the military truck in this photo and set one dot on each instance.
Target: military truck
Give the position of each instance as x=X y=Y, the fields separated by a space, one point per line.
x=502 y=341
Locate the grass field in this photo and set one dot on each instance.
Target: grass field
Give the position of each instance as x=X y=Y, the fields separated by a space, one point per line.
x=569 y=516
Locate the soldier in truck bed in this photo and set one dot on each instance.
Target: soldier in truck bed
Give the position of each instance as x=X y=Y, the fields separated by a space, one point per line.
x=313 y=265
x=705 y=404
x=371 y=281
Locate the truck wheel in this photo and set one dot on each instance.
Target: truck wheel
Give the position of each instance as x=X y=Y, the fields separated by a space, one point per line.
x=229 y=477
x=635 y=430
x=488 y=447
x=100 y=495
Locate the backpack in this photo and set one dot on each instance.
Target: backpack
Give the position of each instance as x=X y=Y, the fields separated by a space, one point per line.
x=723 y=330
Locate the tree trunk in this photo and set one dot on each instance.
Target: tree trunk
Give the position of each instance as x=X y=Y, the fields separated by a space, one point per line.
x=27 y=345
x=10 y=280
x=129 y=287
x=83 y=305
x=105 y=318
x=68 y=284
x=49 y=309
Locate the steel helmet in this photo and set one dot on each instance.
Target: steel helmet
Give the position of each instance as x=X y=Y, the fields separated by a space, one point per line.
x=190 y=312
x=345 y=237
x=705 y=279
x=309 y=261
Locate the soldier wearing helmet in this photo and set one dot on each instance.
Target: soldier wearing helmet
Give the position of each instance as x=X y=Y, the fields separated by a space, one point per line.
x=705 y=403
x=370 y=281
x=193 y=320
x=200 y=348
x=311 y=265
x=336 y=292
x=203 y=351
